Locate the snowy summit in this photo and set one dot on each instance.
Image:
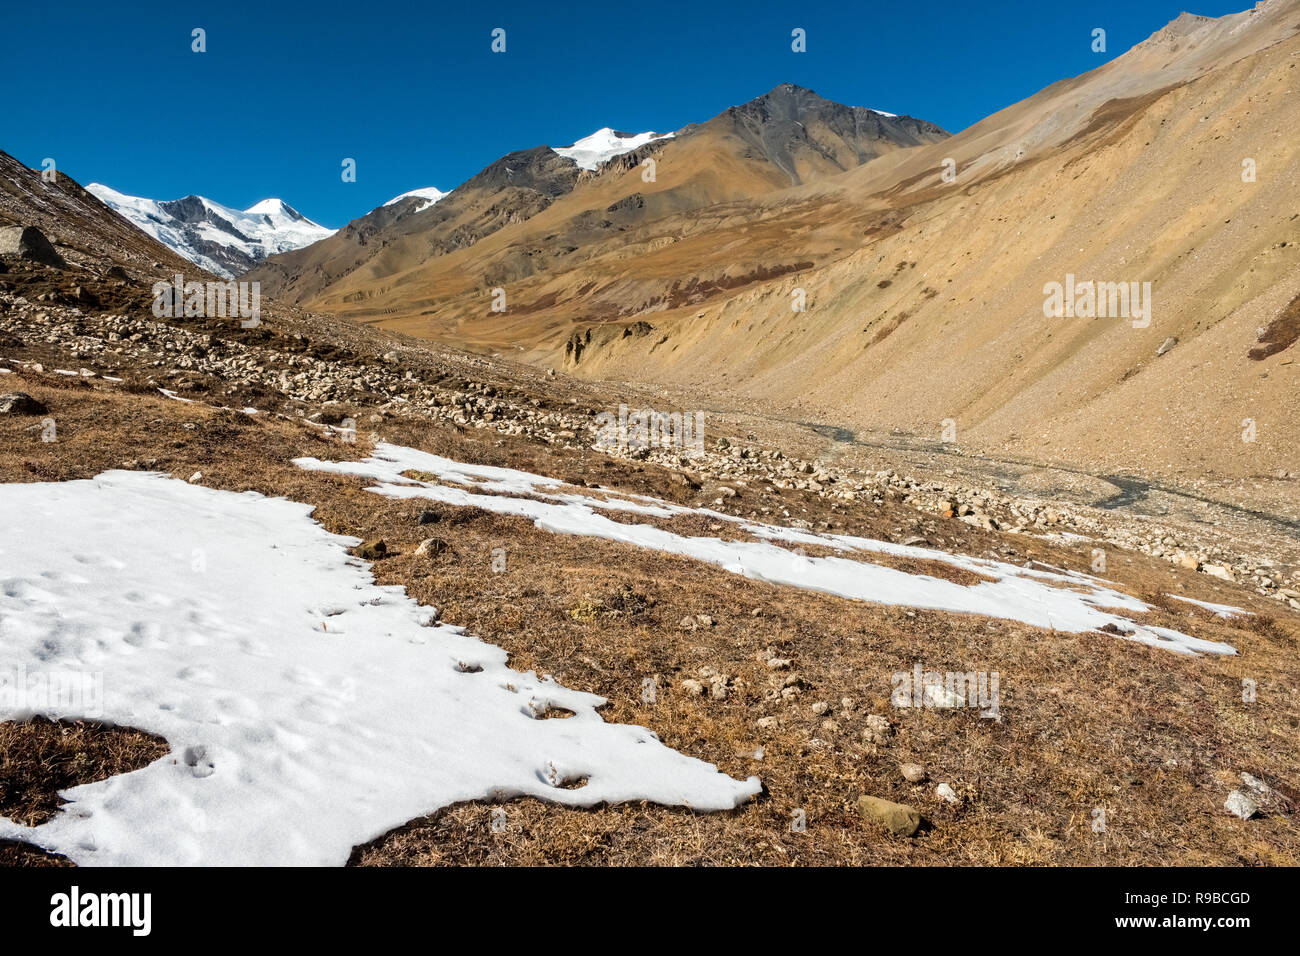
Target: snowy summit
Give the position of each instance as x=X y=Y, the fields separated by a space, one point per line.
x=431 y=194
x=222 y=240
x=604 y=144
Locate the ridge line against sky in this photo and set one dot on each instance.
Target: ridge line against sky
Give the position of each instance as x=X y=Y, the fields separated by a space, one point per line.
x=416 y=96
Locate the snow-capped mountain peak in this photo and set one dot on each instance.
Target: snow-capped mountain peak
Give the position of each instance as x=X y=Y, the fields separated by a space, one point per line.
x=218 y=238
x=604 y=144
x=275 y=207
x=430 y=194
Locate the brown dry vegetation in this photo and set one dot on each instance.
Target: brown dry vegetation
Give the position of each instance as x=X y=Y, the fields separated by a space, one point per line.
x=41 y=757
x=1087 y=720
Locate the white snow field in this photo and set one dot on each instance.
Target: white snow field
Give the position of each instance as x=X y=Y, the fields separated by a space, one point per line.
x=307 y=708
x=603 y=145
x=1059 y=600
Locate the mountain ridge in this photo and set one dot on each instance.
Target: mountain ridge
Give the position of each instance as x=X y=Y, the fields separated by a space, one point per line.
x=690 y=279
x=221 y=239
x=766 y=145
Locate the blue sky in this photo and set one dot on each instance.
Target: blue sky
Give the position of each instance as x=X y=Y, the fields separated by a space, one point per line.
x=413 y=93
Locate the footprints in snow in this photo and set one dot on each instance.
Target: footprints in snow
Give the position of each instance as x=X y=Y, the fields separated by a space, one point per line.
x=199 y=762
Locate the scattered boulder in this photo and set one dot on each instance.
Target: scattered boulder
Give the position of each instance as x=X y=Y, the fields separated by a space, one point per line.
x=1240 y=805
x=877 y=729
x=691 y=621
x=946 y=793
x=1255 y=784
x=373 y=549
x=1266 y=799
x=432 y=547
x=1166 y=345
x=912 y=772
x=684 y=479
x=20 y=403
x=898 y=818
x=28 y=242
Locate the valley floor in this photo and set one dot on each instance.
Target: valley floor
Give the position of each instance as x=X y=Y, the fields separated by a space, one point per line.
x=1103 y=749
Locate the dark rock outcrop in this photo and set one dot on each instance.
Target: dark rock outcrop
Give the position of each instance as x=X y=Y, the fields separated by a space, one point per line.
x=28 y=242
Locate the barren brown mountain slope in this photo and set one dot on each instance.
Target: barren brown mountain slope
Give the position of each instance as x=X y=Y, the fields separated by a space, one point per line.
x=924 y=297
x=943 y=318
x=85 y=232
x=534 y=212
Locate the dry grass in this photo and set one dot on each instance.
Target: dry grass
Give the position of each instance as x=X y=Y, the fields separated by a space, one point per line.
x=40 y=757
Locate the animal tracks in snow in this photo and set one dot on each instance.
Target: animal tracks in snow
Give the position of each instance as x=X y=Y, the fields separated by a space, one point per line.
x=290 y=745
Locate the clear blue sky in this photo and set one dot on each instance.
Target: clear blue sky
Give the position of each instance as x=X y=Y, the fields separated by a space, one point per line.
x=414 y=94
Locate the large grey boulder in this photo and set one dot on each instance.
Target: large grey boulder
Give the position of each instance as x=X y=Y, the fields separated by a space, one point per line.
x=28 y=242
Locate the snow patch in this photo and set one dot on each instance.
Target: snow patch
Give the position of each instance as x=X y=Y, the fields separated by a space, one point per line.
x=1221 y=610
x=308 y=709
x=1059 y=600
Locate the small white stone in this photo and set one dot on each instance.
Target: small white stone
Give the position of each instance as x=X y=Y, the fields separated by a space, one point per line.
x=1240 y=805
